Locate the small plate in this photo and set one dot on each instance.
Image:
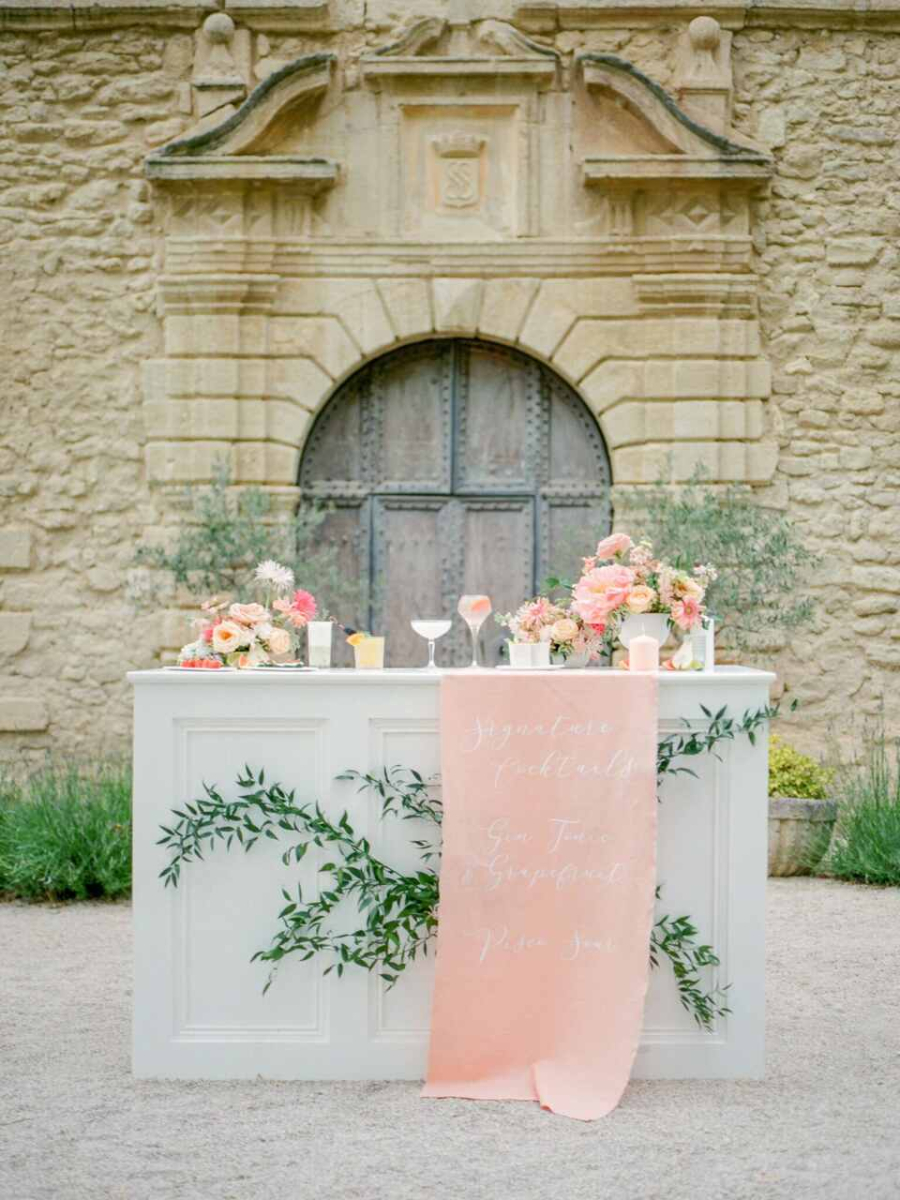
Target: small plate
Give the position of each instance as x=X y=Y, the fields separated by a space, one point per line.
x=551 y=667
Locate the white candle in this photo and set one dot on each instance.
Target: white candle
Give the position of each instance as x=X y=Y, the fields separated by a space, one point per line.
x=643 y=653
x=709 y=648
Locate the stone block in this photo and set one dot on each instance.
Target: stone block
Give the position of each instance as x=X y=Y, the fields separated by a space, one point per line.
x=300 y=380
x=216 y=376
x=626 y=424
x=273 y=420
x=885 y=334
x=504 y=305
x=265 y=462
x=874 y=605
x=196 y=334
x=855 y=458
x=408 y=305
x=192 y=419
x=153 y=376
x=104 y=579
x=593 y=341
x=355 y=302
x=611 y=382
x=853 y=252
x=699 y=378
x=252 y=376
x=15 y=630
x=876 y=579
x=640 y=464
x=457 y=304
x=323 y=339
x=15 y=549
x=188 y=462
x=560 y=302
x=19 y=715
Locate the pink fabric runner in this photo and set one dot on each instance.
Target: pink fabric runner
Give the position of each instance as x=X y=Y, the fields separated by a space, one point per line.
x=547 y=887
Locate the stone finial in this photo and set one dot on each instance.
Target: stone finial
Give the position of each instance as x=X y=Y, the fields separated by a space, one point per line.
x=703 y=73
x=219 y=68
x=221 y=65
x=705 y=35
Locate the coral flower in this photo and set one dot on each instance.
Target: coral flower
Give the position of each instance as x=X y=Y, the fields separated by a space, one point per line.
x=686 y=612
x=599 y=591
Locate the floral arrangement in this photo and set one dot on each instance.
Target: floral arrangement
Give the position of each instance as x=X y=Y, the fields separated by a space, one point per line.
x=252 y=635
x=622 y=578
x=540 y=620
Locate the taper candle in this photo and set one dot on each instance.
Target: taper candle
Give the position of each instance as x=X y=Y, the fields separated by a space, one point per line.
x=643 y=653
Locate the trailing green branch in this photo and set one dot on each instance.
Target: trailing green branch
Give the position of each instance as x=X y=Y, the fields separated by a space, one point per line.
x=720 y=728
x=675 y=937
x=400 y=908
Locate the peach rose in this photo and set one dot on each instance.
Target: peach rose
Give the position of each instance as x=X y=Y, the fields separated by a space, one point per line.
x=279 y=641
x=227 y=637
x=564 y=630
x=248 y=614
x=616 y=543
x=640 y=599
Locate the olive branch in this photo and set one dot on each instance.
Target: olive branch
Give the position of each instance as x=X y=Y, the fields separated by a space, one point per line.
x=400 y=908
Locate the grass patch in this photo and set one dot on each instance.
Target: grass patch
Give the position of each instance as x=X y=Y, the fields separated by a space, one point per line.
x=866 y=843
x=65 y=832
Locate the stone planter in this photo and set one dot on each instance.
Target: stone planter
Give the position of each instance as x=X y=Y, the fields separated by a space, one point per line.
x=799 y=833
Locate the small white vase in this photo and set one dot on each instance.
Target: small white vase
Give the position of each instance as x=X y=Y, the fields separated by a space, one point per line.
x=655 y=625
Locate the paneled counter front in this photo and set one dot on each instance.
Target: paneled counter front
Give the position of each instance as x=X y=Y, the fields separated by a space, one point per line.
x=199 y=1010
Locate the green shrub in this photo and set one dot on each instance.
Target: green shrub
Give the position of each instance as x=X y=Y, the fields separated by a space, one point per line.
x=65 y=832
x=866 y=843
x=794 y=774
x=761 y=559
x=226 y=531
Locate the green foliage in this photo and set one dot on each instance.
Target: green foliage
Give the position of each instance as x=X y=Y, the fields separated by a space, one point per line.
x=676 y=939
x=794 y=774
x=65 y=833
x=227 y=530
x=719 y=728
x=762 y=563
x=400 y=908
x=866 y=842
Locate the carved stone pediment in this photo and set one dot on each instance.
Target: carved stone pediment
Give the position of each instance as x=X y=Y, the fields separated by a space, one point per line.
x=257 y=125
x=486 y=48
x=689 y=149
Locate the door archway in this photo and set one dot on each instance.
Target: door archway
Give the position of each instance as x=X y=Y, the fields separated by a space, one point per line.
x=451 y=466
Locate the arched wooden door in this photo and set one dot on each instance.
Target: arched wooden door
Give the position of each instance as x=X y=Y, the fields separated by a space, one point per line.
x=450 y=467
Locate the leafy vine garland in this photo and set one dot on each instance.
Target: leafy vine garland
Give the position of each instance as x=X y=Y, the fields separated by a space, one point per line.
x=400 y=908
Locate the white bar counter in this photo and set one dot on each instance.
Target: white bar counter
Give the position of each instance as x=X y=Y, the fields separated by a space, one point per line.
x=199 y=1011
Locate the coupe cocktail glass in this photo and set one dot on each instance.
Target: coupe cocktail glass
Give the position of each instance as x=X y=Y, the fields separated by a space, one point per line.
x=432 y=630
x=474 y=610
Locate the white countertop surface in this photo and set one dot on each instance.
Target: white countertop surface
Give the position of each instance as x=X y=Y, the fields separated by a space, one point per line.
x=420 y=675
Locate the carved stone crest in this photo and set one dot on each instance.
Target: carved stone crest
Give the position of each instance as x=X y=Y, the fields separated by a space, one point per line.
x=459 y=169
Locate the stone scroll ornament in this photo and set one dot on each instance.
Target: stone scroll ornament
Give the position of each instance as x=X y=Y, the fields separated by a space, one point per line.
x=547 y=888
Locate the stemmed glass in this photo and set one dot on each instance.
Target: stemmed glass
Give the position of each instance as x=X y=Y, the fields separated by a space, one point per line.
x=474 y=610
x=432 y=630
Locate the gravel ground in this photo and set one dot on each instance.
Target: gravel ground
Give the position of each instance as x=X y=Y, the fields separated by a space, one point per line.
x=824 y=1124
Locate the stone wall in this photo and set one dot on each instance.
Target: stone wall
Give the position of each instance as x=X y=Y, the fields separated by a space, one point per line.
x=80 y=253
